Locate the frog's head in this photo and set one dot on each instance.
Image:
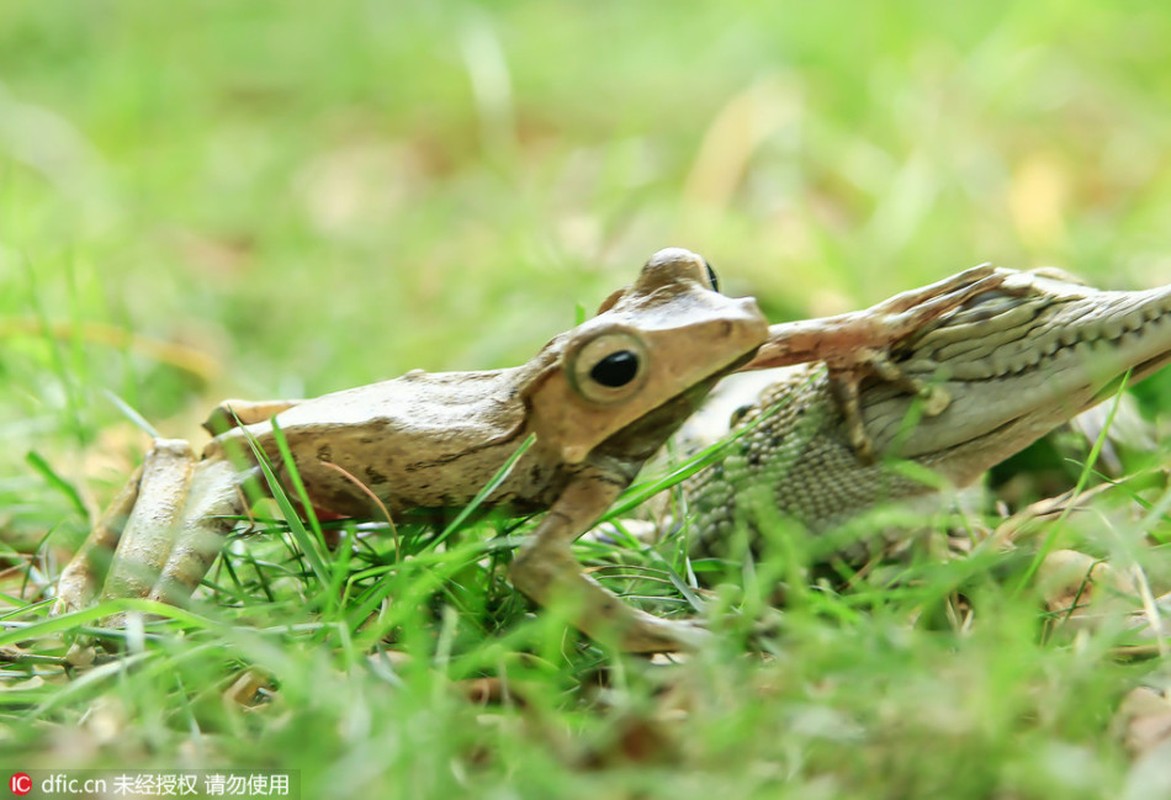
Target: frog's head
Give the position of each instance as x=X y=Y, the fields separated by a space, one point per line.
x=668 y=333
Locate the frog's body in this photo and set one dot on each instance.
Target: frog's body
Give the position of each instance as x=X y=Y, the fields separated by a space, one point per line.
x=414 y=442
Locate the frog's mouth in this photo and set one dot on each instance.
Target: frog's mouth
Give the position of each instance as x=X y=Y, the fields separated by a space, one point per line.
x=736 y=364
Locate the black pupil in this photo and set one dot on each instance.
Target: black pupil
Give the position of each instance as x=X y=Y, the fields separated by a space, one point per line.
x=711 y=276
x=616 y=369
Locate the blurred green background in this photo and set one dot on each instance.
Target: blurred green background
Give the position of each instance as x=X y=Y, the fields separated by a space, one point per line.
x=259 y=199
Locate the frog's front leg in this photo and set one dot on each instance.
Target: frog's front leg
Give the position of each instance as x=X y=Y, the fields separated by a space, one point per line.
x=858 y=344
x=161 y=533
x=546 y=570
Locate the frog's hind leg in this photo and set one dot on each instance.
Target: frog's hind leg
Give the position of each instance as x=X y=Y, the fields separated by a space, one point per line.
x=148 y=501
x=170 y=541
x=215 y=499
x=83 y=576
x=160 y=535
x=152 y=526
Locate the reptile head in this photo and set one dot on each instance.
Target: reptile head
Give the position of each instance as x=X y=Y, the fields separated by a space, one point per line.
x=1016 y=362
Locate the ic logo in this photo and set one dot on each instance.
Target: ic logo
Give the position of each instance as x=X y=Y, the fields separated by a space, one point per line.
x=20 y=783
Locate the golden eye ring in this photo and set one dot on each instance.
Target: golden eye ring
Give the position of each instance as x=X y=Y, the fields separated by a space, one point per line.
x=609 y=368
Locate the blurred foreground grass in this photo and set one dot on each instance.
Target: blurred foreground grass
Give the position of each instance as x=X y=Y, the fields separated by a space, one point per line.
x=304 y=196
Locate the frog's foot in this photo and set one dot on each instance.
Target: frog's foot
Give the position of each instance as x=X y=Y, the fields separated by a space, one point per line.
x=160 y=535
x=551 y=575
x=845 y=383
x=858 y=345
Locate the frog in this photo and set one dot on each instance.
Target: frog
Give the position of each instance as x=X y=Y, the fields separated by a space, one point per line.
x=584 y=414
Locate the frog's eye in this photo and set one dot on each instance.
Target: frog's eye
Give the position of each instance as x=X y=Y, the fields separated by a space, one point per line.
x=712 y=278
x=608 y=368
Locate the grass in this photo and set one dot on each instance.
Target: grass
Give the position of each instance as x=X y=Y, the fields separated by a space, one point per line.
x=200 y=201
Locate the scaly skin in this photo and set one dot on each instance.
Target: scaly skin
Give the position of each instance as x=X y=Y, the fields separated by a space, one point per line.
x=1015 y=362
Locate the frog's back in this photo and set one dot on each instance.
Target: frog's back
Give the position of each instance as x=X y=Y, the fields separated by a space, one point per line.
x=432 y=407
x=425 y=440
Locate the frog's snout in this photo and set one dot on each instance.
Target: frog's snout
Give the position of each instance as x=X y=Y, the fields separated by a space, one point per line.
x=754 y=321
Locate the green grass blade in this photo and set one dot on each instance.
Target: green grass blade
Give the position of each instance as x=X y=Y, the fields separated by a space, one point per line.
x=489 y=487
x=1054 y=529
x=132 y=414
x=311 y=546
x=46 y=471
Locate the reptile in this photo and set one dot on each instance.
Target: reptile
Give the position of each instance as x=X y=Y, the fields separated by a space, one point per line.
x=1014 y=363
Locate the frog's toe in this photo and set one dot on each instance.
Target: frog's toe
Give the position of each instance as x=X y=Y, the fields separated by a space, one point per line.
x=76 y=587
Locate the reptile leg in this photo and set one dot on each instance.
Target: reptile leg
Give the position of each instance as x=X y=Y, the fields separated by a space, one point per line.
x=546 y=570
x=852 y=339
x=845 y=386
x=846 y=396
x=928 y=302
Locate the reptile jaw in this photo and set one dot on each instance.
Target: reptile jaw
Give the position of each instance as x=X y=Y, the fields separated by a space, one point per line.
x=1018 y=366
